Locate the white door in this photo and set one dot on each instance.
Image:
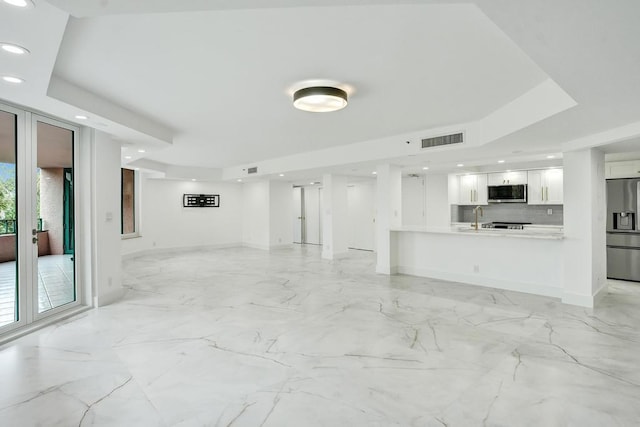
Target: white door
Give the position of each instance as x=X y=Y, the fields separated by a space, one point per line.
x=413 y=200
x=37 y=262
x=361 y=213
x=297 y=215
x=312 y=233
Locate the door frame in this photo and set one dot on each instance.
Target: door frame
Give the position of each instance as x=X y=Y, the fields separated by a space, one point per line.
x=33 y=260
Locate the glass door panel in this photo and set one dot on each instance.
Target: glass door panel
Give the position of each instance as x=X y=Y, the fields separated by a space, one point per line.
x=55 y=219
x=8 y=219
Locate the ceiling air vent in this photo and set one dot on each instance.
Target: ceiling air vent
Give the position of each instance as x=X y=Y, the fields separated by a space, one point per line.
x=253 y=170
x=437 y=141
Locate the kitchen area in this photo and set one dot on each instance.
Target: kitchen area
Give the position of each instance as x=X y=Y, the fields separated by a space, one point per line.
x=505 y=231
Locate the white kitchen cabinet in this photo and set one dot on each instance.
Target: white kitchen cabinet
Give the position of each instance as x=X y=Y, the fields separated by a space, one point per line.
x=624 y=169
x=507 y=178
x=473 y=189
x=545 y=187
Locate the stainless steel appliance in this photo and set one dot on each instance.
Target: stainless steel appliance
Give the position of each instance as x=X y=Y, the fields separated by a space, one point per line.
x=623 y=229
x=505 y=225
x=507 y=193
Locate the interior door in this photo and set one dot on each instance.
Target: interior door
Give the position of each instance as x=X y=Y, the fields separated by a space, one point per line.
x=361 y=212
x=297 y=215
x=312 y=234
x=413 y=200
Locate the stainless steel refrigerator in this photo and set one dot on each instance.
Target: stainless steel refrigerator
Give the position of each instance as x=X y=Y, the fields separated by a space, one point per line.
x=623 y=229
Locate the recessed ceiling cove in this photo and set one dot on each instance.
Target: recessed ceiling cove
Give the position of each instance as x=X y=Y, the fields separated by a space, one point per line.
x=220 y=78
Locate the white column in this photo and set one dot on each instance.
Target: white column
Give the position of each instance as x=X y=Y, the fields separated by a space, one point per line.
x=106 y=242
x=584 y=227
x=388 y=215
x=335 y=217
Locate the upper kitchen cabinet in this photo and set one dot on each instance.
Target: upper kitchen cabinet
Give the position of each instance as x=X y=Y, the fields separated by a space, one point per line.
x=545 y=187
x=472 y=189
x=625 y=169
x=508 y=178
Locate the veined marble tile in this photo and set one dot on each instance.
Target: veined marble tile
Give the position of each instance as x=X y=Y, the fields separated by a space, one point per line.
x=243 y=337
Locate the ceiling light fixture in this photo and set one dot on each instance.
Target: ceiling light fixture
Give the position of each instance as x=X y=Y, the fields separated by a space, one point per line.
x=551 y=157
x=281 y=174
x=320 y=99
x=374 y=173
x=81 y=117
x=193 y=179
x=426 y=168
x=12 y=79
x=239 y=180
x=20 y=3
x=141 y=151
x=500 y=161
x=14 y=48
x=460 y=165
x=127 y=157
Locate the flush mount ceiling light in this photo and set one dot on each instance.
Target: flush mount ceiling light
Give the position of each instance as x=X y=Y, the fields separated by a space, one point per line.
x=12 y=79
x=320 y=99
x=20 y=3
x=14 y=48
x=81 y=117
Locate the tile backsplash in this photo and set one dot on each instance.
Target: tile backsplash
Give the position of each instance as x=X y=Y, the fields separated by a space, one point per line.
x=510 y=212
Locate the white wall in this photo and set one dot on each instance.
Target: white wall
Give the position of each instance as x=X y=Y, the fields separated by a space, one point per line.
x=437 y=209
x=166 y=224
x=105 y=233
x=280 y=208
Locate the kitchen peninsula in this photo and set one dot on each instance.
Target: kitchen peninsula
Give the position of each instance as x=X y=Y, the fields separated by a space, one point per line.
x=528 y=260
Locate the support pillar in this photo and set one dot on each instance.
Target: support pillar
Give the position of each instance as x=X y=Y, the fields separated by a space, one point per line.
x=584 y=227
x=334 y=217
x=388 y=215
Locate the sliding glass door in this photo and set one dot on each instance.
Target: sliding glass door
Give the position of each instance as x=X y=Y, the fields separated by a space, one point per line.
x=37 y=241
x=9 y=297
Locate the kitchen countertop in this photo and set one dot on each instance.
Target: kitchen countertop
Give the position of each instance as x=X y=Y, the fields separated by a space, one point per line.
x=551 y=232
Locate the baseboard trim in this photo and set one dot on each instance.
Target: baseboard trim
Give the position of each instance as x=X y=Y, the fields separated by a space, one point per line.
x=178 y=249
x=487 y=282
x=588 y=301
x=108 y=298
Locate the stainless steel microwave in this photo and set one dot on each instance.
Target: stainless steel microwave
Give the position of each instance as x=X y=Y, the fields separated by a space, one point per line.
x=508 y=193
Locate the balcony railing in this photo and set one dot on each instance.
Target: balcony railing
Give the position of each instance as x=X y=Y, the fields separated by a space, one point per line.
x=8 y=226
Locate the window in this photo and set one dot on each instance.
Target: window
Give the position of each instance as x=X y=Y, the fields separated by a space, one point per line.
x=128 y=198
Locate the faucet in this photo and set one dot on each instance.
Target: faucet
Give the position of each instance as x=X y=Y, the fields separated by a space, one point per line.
x=475 y=211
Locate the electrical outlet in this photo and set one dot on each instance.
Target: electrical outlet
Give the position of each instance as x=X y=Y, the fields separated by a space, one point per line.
x=549 y=211
x=476 y=268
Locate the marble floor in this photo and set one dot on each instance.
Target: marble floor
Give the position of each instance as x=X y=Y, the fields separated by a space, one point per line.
x=55 y=285
x=243 y=337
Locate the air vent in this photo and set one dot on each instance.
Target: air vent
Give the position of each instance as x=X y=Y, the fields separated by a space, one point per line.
x=456 y=138
x=253 y=170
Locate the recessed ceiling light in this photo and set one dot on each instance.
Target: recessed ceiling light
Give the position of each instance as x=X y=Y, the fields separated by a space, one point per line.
x=12 y=79
x=500 y=161
x=281 y=174
x=460 y=165
x=374 y=173
x=551 y=157
x=127 y=157
x=426 y=168
x=20 y=3
x=193 y=179
x=320 y=99
x=14 y=48
x=81 y=117
x=239 y=180
x=141 y=151
x=312 y=183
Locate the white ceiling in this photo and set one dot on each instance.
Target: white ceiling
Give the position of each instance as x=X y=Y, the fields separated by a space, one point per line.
x=215 y=78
